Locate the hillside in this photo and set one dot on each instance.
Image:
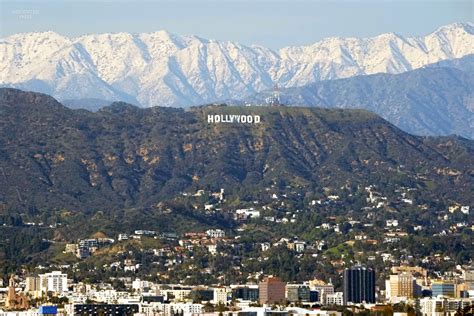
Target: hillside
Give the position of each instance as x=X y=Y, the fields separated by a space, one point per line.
x=433 y=101
x=76 y=173
x=126 y=157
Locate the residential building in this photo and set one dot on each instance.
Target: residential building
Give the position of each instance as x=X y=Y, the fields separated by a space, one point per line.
x=82 y=252
x=122 y=237
x=336 y=298
x=33 y=284
x=443 y=288
x=182 y=309
x=271 y=290
x=245 y=292
x=322 y=288
x=55 y=282
x=468 y=276
x=178 y=293
x=400 y=285
x=442 y=306
x=215 y=233
x=220 y=295
x=202 y=294
x=297 y=293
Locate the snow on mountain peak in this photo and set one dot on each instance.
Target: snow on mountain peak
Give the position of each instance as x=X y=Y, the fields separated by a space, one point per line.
x=161 y=68
x=465 y=27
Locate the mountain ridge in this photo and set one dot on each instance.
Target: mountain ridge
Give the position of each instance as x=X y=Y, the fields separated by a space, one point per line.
x=161 y=68
x=125 y=157
x=434 y=100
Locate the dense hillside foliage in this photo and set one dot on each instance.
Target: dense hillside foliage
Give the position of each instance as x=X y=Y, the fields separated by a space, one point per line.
x=125 y=168
x=123 y=156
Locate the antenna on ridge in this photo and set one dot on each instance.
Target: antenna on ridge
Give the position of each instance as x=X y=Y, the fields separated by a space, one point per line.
x=276 y=95
x=274 y=99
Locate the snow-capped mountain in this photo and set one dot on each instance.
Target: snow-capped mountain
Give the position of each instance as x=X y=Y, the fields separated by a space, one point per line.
x=170 y=70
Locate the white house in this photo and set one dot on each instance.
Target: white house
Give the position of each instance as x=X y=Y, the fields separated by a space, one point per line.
x=215 y=233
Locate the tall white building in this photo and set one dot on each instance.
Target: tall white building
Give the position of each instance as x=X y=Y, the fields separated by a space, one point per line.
x=55 y=281
x=336 y=298
x=220 y=295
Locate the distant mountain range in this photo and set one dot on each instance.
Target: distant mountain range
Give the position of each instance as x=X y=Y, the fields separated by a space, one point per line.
x=163 y=69
x=434 y=100
x=124 y=157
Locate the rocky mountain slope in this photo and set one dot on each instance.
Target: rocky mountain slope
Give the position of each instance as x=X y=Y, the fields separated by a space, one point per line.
x=436 y=100
x=163 y=69
x=123 y=157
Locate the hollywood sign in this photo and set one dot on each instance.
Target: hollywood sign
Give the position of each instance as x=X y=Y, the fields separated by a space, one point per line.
x=233 y=118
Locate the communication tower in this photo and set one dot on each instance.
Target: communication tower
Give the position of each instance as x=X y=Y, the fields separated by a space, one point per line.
x=274 y=99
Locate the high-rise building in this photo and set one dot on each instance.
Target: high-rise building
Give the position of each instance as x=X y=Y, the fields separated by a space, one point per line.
x=443 y=288
x=53 y=282
x=400 y=285
x=359 y=285
x=322 y=288
x=314 y=296
x=297 y=293
x=33 y=283
x=336 y=298
x=245 y=292
x=200 y=294
x=271 y=290
x=468 y=276
x=220 y=295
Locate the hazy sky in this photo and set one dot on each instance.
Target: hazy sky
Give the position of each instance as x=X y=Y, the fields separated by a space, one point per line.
x=273 y=24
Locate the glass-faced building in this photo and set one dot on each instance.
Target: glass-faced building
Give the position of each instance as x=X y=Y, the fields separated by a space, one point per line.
x=359 y=285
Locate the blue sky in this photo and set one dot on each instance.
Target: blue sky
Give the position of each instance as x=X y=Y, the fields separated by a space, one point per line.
x=273 y=24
